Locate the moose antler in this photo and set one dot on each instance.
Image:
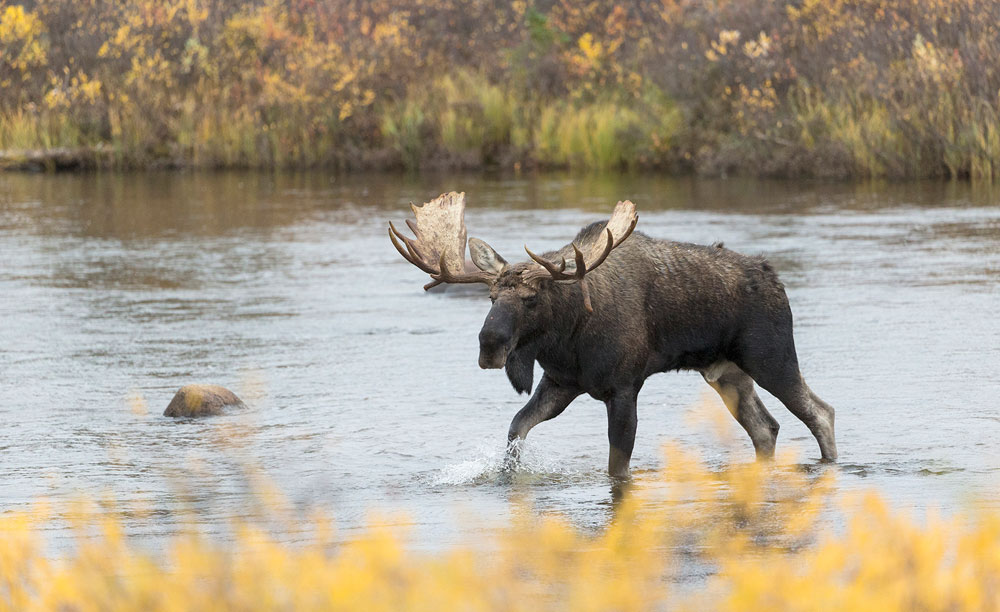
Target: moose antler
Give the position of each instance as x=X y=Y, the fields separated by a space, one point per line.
x=439 y=244
x=591 y=254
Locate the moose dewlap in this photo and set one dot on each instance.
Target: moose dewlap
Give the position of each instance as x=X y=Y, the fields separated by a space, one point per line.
x=613 y=307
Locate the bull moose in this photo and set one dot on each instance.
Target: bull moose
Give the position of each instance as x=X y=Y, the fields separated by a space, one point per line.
x=603 y=313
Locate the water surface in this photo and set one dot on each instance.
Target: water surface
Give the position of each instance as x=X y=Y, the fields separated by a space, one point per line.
x=364 y=391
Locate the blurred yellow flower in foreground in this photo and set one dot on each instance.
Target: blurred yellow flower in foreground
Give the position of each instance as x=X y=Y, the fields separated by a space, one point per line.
x=756 y=531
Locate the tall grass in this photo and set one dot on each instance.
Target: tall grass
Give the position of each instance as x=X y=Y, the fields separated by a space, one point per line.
x=473 y=114
x=403 y=128
x=603 y=135
x=21 y=130
x=761 y=530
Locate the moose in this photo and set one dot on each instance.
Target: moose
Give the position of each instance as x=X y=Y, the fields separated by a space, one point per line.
x=613 y=307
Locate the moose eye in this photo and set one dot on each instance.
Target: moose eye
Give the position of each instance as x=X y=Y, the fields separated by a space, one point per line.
x=530 y=302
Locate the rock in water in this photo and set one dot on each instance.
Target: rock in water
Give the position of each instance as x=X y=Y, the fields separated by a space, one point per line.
x=202 y=400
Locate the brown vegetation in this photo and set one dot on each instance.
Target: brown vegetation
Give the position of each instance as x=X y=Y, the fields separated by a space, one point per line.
x=899 y=88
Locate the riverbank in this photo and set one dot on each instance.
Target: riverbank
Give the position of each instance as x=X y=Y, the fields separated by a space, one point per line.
x=57 y=159
x=878 y=88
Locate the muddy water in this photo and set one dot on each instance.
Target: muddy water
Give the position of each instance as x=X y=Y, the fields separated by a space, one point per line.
x=364 y=391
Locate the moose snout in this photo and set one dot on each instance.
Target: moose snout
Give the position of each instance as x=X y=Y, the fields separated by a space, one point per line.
x=494 y=345
x=493 y=348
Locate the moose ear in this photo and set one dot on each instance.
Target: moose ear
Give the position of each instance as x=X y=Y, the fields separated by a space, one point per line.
x=485 y=258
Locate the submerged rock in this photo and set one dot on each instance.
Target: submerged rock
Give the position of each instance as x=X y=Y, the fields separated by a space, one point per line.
x=202 y=400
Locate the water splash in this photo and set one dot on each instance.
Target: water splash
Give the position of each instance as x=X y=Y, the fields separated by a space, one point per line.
x=491 y=462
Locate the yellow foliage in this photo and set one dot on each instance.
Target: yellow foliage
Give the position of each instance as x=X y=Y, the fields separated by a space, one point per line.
x=760 y=530
x=759 y=47
x=907 y=87
x=20 y=33
x=591 y=50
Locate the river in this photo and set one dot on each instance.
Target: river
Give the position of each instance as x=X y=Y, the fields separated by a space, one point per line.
x=365 y=398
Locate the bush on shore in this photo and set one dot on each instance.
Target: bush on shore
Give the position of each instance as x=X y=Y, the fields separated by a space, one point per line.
x=866 y=88
x=749 y=537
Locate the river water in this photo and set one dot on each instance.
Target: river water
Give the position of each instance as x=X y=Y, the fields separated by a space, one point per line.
x=364 y=393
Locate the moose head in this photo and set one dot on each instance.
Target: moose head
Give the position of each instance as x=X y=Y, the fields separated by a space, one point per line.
x=527 y=297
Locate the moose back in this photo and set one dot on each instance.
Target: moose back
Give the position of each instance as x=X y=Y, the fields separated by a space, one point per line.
x=613 y=307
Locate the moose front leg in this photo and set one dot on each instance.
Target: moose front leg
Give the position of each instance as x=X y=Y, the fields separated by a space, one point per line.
x=548 y=402
x=622 y=422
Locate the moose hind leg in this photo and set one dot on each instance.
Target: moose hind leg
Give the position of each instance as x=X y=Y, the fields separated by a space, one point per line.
x=814 y=412
x=767 y=353
x=828 y=441
x=737 y=391
x=791 y=389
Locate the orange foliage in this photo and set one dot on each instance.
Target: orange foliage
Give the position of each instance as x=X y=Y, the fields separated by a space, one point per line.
x=866 y=87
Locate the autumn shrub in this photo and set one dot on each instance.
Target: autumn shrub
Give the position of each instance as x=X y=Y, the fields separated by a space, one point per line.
x=897 y=88
x=692 y=537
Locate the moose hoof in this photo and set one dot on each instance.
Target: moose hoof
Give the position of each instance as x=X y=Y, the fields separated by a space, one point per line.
x=202 y=400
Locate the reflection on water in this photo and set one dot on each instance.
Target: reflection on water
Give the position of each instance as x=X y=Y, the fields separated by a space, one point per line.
x=364 y=391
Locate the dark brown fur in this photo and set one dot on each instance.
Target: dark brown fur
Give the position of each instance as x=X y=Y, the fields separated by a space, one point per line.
x=658 y=306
